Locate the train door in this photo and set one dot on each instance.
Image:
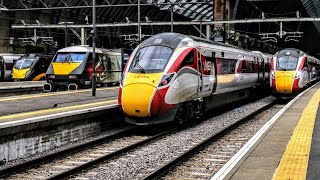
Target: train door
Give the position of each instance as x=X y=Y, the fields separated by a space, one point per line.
x=200 y=72
x=210 y=73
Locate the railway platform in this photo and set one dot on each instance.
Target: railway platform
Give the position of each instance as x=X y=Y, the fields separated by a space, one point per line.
x=21 y=86
x=28 y=112
x=287 y=147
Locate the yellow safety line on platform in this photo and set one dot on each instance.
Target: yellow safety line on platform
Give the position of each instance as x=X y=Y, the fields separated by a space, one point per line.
x=294 y=162
x=55 y=110
x=50 y=94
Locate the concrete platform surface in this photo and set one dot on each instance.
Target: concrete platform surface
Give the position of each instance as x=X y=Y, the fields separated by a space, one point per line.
x=29 y=112
x=24 y=106
x=265 y=158
x=21 y=84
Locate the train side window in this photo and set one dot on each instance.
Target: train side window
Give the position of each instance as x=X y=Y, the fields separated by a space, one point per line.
x=189 y=59
x=232 y=66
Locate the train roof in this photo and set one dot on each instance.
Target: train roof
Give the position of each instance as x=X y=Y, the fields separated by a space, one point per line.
x=82 y=48
x=174 y=39
x=40 y=55
x=9 y=57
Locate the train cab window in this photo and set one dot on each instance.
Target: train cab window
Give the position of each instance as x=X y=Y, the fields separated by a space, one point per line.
x=61 y=57
x=188 y=60
x=77 y=57
x=151 y=59
x=23 y=63
x=286 y=63
x=70 y=57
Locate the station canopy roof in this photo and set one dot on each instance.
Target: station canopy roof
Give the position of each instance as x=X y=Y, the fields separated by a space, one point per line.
x=193 y=9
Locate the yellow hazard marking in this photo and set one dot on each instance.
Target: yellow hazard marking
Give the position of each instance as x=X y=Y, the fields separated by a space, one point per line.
x=37 y=78
x=64 y=68
x=294 y=162
x=284 y=81
x=51 y=94
x=137 y=93
x=19 y=73
x=54 y=110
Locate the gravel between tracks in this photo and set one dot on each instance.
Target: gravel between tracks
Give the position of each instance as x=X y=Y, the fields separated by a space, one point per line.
x=137 y=164
x=209 y=160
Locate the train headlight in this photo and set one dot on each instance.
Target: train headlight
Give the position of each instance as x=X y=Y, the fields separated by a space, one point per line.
x=166 y=79
x=298 y=74
x=273 y=75
x=72 y=77
x=28 y=73
x=51 y=76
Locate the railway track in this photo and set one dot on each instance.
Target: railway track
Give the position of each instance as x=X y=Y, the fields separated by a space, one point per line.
x=156 y=158
x=134 y=157
x=206 y=158
x=73 y=160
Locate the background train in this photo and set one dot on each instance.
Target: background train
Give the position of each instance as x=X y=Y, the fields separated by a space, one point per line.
x=6 y=64
x=174 y=77
x=292 y=70
x=72 y=67
x=31 y=67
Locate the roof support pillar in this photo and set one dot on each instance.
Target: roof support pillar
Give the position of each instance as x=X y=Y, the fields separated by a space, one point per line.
x=208 y=31
x=83 y=41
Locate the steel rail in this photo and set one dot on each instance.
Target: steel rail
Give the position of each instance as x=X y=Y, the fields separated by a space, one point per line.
x=167 y=167
x=90 y=164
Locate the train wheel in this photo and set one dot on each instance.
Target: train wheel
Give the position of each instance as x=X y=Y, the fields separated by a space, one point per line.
x=109 y=84
x=102 y=85
x=184 y=114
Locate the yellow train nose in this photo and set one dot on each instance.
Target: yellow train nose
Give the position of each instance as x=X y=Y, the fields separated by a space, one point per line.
x=137 y=98
x=19 y=73
x=284 y=81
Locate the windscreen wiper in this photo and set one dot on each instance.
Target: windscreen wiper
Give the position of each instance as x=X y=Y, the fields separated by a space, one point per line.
x=142 y=69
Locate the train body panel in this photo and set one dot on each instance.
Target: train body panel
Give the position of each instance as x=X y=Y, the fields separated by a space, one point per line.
x=186 y=74
x=292 y=70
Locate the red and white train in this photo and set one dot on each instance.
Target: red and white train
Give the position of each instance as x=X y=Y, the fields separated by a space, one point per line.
x=175 y=77
x=292 y=70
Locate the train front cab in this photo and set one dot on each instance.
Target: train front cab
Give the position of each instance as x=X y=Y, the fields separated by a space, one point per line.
x=31 y=67
x=159 y=81
x=289 y=73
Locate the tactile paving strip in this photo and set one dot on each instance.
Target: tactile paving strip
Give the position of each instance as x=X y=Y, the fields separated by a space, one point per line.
x=294 y=162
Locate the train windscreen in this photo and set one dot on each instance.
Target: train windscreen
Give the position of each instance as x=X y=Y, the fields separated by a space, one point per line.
x=70 y=57
x=287 y=63
x=23 y=63
x=151 y=59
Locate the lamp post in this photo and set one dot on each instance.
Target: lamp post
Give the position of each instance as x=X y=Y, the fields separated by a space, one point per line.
x=139 y=27
x=171 y=18
x=93 y=48
x=66 y=32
